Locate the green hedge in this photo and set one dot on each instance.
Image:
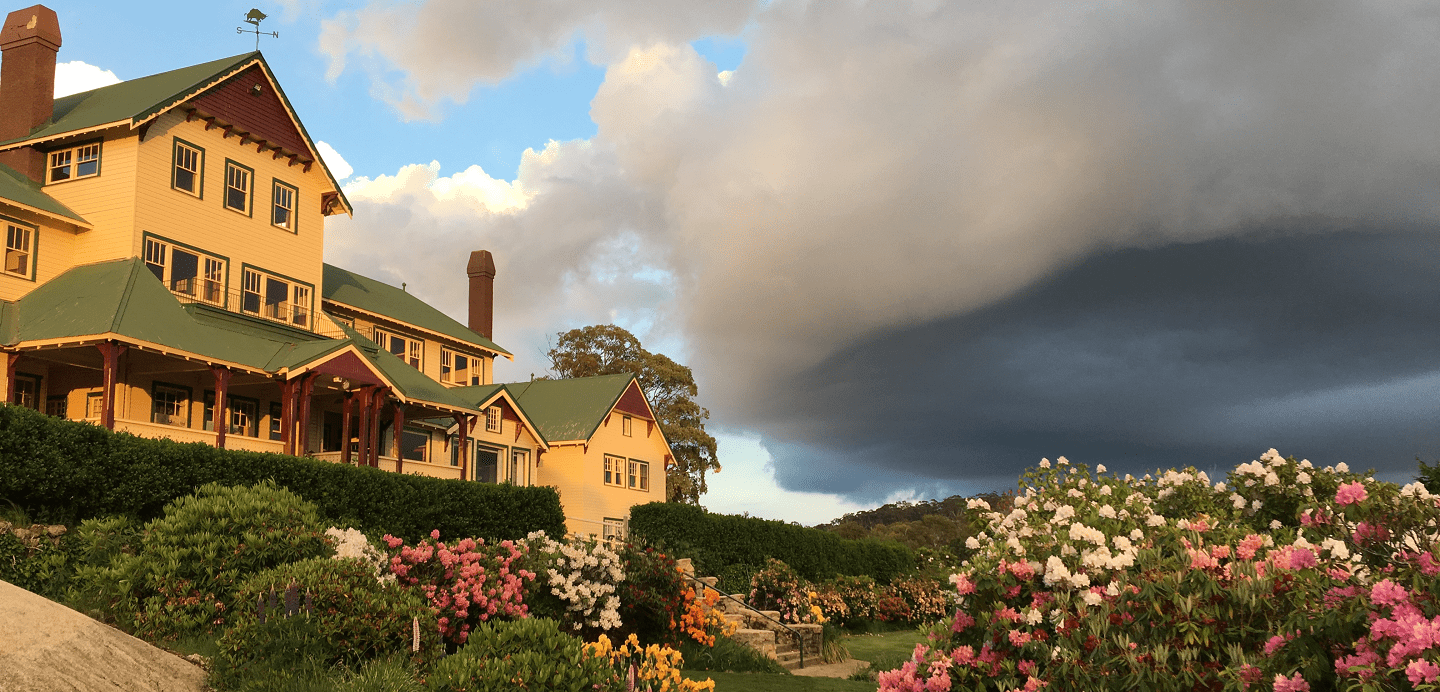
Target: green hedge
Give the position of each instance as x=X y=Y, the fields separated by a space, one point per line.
x=63 y=472
x=719 y=542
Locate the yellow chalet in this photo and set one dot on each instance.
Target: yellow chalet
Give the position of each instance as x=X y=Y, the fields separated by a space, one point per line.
x=606 y=452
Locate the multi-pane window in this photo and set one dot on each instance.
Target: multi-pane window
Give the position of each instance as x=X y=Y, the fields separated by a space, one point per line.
x=614 y=529
x=405 y=348
x=626 y=426
x=188 y=165
x=169 y=406
x=186 y=271
x=639 y=477
x=282 y=214
x=458 y=368
x=276 y=420
x=244 y=416
x=275 y=298
x=614 y=471
x=238 y=184
x=19 y=248
x=27 y=391
x=519 y=466
x=77 y=162
x=492 y=419
x=56 y=406
x=94 y=405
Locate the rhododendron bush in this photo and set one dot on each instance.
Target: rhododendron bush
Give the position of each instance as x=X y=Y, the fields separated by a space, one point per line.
x=466 y=583
x=1283 y=577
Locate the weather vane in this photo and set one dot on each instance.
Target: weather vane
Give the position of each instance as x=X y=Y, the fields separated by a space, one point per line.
x=255 y=17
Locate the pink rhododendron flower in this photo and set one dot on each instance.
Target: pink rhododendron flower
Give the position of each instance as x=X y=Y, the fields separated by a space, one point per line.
x=1303 y=558
x=963 y=584
x=962 y=621
x=1248 y=546
x=1008 y=614
x=1274 y=644
x=963 y=655
x=435 y=534
x=1294 y=684
x=1422 y=671
x=1350 y=493
x=1366 y=533
x=1428 y=566
x=1387 y=592
x=1018 y=638
x=1034 y=684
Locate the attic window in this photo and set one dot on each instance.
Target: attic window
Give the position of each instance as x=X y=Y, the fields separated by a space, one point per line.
x=492 y=419
x=627 y=426
x=74 y=163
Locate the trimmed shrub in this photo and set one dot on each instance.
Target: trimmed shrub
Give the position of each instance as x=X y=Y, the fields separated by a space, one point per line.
x=67 y=471
x=183 y=579
x=321 y=612
x=524 y=654
x=717 y=540
x=728 y=655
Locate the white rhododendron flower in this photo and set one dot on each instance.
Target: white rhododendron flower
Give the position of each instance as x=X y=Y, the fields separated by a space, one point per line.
x=972 y=544
x=1099 y=468
x=1155 y=520
x=1044 y=463
x=977 y=503
x=1302 y=478
x=1237 y=500
x=1062 y=461
x=1107 y=511
x=1342 y=467
x=1034 y=617
x=1271 y=479
x=1106 y=490
x=1092 y=599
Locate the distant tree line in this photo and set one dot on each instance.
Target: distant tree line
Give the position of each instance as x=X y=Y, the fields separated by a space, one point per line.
x=940 y=525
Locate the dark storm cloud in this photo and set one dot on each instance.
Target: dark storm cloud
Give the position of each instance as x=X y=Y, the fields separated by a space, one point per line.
x=1207 y=354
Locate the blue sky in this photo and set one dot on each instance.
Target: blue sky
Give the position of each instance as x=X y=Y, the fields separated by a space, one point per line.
x=909 y=248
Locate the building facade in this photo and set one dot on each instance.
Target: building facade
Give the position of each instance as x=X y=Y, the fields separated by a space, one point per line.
x=164 y=276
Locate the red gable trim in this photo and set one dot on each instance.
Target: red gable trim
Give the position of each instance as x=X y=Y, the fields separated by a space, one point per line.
x=351 y=367
x=633 y=402
x=262 y=116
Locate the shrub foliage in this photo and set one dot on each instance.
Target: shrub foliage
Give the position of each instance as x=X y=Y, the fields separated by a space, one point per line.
x=63 y=472
x=716 y=541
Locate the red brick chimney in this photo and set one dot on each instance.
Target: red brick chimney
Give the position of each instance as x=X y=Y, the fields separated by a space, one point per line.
x=29 y=41
x=482 y=292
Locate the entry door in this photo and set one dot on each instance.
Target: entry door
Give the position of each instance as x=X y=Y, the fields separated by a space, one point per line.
x=487 y=462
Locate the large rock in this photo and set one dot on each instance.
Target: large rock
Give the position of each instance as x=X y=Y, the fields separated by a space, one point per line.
x=46 y=647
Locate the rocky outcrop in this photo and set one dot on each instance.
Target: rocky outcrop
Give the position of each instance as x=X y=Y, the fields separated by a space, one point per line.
x=46 y=647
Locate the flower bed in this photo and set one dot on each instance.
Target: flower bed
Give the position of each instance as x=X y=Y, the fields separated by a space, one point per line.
x=1285 y=576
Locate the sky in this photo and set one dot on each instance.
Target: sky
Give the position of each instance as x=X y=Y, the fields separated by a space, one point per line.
x=908 y=248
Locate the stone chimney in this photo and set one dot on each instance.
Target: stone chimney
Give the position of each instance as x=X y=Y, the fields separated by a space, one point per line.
x=29 y=40
x=482 y=293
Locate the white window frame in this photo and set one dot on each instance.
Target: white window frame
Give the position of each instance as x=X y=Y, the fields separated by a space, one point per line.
x=20 y=250
x=179 y=415
x=627 y=426
x=242 y=179
x=449 y=374
x=639 y=470
x=412 y=350
x=615 y=468
x=295 y=310
x=94 y=405
x=494 y=419
x=613 y=529
x=210 y=270
x=279 y=191
x=71 y=160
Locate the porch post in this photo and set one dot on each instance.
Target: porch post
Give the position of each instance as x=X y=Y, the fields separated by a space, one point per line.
x=399 y=437
x=463 y=441
x=376 y=406
x=362 y=409
x=287 y=415
x=345 y=426
x=110 y=351
x=307 y=390
x=222 y=385
x=10 y=360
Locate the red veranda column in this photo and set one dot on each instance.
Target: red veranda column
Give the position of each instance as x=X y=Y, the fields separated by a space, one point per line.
x=307 y=391
x=222 y=385
x=345 y=408
x=399 y=426
x=111 y=352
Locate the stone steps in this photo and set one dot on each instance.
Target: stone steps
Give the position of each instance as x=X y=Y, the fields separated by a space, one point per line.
x=760 y=630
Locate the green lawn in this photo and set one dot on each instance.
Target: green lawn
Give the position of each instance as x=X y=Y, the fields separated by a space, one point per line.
x=883 y=648
x=764 y=682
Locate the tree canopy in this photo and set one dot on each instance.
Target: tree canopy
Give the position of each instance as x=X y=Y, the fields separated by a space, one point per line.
x=669 y=386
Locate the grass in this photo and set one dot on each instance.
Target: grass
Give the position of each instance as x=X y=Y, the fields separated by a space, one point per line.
x=884 y=651
x=762 y=682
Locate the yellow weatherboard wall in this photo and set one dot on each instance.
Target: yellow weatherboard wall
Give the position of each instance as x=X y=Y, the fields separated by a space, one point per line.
x=578 y=472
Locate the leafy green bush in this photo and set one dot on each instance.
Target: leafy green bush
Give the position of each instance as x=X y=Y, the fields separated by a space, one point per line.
x=320 y=613
x=728 y=655
x=525 y=654
x=41 y=564
x=66 y=471
x=717 y=540
x=651 y=597
x=779 y=588
x=182 y=579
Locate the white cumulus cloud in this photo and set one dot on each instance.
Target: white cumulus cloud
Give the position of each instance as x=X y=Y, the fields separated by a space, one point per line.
x=334 y=161
x=76 y=76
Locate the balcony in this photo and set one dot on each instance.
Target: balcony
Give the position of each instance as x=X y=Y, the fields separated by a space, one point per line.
x=195 y=290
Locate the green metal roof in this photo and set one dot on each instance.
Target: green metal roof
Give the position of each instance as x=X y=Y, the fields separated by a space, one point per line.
x=133 y=100
x=123 y=297
x=348 y=288
x=26 y=192
x=136 y=100
x=563 y=410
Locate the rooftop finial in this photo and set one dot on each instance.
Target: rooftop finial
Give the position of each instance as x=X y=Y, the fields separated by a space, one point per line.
x=254 y=18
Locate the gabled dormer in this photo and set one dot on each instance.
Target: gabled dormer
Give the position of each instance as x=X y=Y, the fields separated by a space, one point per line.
x=205 y=173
